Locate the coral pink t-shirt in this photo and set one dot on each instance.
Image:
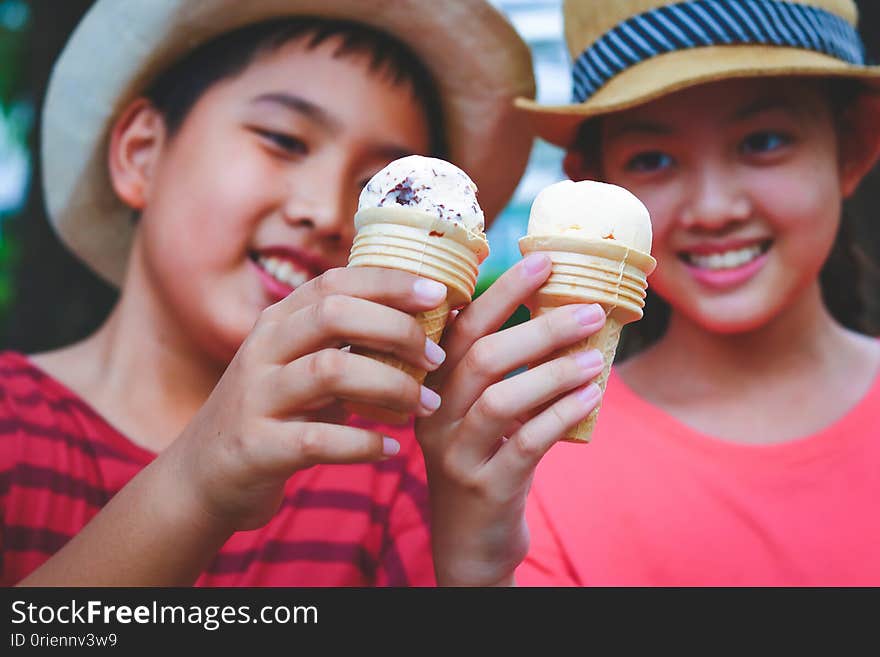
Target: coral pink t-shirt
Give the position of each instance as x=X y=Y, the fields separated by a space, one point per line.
x=653 y=502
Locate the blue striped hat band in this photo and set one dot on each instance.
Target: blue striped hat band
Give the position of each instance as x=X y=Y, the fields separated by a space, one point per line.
x=699 y=23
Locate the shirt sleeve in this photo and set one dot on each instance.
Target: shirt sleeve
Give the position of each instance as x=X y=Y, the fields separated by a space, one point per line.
x=9 y=451
x=405 y=558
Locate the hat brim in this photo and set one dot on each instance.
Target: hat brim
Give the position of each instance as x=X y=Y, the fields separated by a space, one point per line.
x=671 y=72
x=478 y=61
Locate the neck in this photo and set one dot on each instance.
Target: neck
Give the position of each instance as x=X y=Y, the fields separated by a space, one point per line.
x=804 y=336
x=141 y=369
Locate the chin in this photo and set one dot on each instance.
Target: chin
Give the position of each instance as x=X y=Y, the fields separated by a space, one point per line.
x=222 y=338
x=730 y=328
x=730 y=317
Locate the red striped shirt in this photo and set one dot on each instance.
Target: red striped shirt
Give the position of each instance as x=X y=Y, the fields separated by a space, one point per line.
x=346 y=525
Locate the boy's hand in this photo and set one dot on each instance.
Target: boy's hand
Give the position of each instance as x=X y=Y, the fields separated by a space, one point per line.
x=482 y=446
x=263 y=420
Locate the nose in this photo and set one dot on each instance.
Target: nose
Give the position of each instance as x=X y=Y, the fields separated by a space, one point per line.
x=715 y=198
x=322 y=204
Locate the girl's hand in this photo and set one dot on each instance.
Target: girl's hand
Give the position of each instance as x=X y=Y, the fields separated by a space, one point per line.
x=265 y=419
x=482 y=446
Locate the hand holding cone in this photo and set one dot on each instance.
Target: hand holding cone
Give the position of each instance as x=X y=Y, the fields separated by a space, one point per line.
x=598 y=238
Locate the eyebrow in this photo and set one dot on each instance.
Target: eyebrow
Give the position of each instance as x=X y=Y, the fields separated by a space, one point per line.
x=641 y=128
x=300 y=106
x=764 y=105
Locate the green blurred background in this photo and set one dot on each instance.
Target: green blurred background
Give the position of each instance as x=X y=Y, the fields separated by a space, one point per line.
x=48 y=299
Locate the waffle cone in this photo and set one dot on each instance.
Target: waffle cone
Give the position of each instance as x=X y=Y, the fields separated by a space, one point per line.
x=592 y=271
x=412 y=241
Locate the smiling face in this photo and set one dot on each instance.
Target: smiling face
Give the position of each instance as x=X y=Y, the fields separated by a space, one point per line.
x=743 y=183
x=255 y=193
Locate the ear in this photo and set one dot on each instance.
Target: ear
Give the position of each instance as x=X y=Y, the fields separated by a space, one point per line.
x=136 y=140
x=577 y=167
x=859 y=141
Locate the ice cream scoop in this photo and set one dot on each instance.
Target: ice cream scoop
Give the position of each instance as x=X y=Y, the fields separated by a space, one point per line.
x=598 y=239
x=591 y=210
x=434 y=186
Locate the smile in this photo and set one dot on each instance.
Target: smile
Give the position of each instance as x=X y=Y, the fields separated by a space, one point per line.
x=725 y=269
x=732 y=259
x=284 y=271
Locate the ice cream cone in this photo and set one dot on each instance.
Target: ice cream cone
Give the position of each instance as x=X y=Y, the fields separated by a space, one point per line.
x=414 y=241
x=592 y=271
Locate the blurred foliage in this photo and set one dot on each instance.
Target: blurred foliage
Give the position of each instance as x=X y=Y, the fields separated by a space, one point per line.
x=57 y=300
x=8 y=257
x=15 y=121
x=14 y=22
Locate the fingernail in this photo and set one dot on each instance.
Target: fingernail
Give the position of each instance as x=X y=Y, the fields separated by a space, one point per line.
x=589 y=395
x=589 y=315
x=429 y=399
x=429 y=291
x=535 y=263
x=390 y=447
x=589 y=360
x=433 y=352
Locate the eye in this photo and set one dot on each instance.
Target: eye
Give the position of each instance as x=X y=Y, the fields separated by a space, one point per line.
x=288 y=143
x=764 y=142
x=649 y=162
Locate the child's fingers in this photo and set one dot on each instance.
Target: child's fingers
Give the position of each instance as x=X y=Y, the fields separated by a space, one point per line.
x=493 y=356
x=518 y=456
x=503 y=403
x=321 y=377
x=296 y=445
x=492 y=308
x=338 y=320
x=389 y=287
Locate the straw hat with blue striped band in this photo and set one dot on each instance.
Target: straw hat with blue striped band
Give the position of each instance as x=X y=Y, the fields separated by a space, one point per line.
x=628 y=52
x=479 y=63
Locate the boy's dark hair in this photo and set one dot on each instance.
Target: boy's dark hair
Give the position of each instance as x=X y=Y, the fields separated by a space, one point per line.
x=177 y=90
x=845 y=277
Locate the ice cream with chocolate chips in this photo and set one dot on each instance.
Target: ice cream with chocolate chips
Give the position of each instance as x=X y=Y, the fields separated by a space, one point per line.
x=421 y=215
x=427 y=184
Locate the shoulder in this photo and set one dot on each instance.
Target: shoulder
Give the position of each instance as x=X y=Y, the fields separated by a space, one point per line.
x=26 y=391
x=43 y=421
x=29 y=412
x=18 y=373
x=23 y=387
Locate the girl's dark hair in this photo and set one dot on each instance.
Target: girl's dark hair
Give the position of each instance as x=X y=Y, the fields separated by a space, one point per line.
x=178 y=89
x=846 y=276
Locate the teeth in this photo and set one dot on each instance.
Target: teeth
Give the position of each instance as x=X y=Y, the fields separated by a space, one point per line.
x=283 y=271
x=726 y=260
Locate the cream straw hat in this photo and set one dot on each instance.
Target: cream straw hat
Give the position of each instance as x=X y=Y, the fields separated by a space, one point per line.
x=478 y=61
x=628 y=52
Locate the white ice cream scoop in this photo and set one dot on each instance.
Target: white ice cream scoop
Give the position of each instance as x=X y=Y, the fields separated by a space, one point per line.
x=591 y=210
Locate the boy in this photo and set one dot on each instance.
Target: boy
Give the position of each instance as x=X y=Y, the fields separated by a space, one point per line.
x=207 y=158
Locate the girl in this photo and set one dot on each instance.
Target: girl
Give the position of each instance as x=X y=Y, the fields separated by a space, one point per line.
x=743 y=446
